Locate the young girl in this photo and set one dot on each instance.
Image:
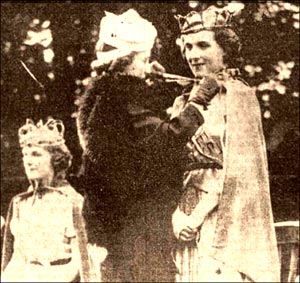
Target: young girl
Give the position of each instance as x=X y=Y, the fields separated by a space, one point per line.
x=44 y=237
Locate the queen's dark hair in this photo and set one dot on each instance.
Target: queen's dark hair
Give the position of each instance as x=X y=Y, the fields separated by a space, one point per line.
x=229 y=41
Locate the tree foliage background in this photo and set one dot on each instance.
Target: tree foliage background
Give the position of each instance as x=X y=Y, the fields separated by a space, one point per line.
x=56 y=41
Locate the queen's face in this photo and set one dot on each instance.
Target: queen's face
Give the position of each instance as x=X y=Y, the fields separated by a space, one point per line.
x=203 y=53
x=37 y=163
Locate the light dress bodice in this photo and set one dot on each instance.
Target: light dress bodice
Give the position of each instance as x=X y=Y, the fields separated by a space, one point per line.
x=43 y=230
x=213 y=130
x=50 y=217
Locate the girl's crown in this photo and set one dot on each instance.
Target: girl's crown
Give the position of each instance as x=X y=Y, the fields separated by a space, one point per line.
x=49 y=134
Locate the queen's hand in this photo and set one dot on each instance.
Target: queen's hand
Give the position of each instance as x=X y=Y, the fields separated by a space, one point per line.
x=188 y=234
x=181 y=229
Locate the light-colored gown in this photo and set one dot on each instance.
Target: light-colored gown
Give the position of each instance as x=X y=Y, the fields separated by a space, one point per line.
x=45 y=244
x=236 y=239
x=202 y=187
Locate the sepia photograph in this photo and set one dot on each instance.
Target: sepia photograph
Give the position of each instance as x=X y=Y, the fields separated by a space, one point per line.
x=150 y=141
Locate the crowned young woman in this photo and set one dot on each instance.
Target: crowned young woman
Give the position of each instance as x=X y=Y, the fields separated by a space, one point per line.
x=224 y=220
x=44 y=238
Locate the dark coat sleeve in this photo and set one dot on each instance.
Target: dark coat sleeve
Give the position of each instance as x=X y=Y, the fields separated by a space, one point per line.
x=120 y=113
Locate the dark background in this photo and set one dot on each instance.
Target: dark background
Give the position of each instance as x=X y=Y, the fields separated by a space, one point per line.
x=269 y=33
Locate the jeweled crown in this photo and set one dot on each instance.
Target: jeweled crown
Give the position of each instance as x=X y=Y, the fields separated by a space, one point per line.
x=209 y=19
x=48 y=134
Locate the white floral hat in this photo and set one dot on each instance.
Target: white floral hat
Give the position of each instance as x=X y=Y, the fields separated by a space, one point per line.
x=126 y=33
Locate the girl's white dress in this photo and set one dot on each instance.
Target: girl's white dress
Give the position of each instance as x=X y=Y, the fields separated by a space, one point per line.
x=45 y=244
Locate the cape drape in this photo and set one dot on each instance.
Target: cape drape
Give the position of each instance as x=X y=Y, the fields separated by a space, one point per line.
x=245 y=237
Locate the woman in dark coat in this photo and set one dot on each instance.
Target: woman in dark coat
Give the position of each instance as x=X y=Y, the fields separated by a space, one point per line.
x=132 y=158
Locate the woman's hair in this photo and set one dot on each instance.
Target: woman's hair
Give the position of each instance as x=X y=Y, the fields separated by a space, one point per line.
x=61 y=159
x=229 y=41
